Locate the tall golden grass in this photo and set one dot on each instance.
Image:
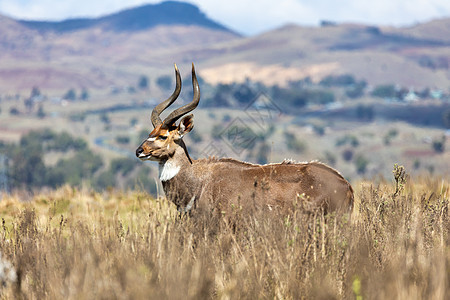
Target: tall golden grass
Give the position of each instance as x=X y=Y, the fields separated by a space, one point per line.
x=77 y=244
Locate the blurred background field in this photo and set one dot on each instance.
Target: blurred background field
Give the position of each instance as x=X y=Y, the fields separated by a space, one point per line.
x=84 y=147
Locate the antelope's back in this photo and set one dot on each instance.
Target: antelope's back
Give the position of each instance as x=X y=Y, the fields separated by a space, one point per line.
x=315 y=183
x=334 y=192
x=277 y=185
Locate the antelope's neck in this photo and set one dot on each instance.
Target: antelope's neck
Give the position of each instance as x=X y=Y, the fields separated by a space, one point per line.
x=171 y=167
x=179 y=184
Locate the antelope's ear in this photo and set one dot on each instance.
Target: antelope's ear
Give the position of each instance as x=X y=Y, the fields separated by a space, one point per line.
x=186 y=125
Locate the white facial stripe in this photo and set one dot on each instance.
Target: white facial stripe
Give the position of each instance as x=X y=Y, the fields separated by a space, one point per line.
x=168 y=170
x=152 y=139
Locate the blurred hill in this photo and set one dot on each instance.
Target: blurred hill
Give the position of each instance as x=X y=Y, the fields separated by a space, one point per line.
x=438 y=30
x=114 y=50
x=98 y=53
x=404 y=56
x=134 y=19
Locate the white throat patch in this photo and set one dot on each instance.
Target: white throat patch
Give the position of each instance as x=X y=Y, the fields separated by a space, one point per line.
x=168 y=170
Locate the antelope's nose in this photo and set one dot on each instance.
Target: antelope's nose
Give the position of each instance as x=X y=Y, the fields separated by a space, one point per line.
x=139 y=151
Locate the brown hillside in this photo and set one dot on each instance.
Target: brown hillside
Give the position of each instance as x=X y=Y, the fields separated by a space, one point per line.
x=92 y=58
x=95 y=57
x=293 y=52
x=438 y=30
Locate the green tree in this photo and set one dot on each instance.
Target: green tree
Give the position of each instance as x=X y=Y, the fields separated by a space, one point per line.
x=416 y=164
x=347 y=139
x=32 y=141
x=390 y=135
x=41 y=113
x=13 y=111
x=319 y=129
x=143 y=82
x=361 y=164
x=338 y=80
x=222 y=96
x=292 y=97
x=29 y=104
x=70 y=95
x=143 y=180
x=27 y=168
x=77 y=117
x=123 y=139
x=320 y=96
x=105 y=180
x=84 y=95
x=35 y=92
x=384 y=91
x=131 y=90
x=105 y=118
x=133 y=121
x=293 y=143
x=164 y=82
x=123 y=165
x=64 y=141
x=243 y=93
x=439 y=145
x=81 y=167
x=347 y=154
x=356 y=90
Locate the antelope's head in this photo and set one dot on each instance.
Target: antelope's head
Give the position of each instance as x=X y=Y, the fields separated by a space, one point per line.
x=167 y=136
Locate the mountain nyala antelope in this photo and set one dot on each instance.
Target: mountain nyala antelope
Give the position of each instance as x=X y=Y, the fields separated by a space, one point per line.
x=221 y=184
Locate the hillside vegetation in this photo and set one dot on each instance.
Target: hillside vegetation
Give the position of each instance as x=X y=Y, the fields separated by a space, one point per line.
x=72 y=244
x=342 y=121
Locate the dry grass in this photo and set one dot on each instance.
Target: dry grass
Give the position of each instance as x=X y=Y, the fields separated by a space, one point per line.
x=72 y=244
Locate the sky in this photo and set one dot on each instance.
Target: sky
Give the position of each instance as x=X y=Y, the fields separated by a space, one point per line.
x=250 y=17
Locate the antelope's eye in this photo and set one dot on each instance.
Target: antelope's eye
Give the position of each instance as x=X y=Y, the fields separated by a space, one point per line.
x=162 y=137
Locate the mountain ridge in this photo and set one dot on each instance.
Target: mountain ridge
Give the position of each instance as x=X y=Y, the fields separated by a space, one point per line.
x=133 y=19
x=116 y=48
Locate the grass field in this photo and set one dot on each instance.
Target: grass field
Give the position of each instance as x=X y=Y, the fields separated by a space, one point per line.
x=77 y=244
